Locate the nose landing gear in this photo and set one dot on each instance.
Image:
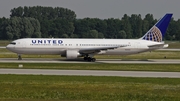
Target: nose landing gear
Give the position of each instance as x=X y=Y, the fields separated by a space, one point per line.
x=19 y=57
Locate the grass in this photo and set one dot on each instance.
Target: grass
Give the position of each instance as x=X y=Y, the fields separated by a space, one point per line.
x=174 y=44
x=146 y=55
x=4 y=42
x=96 y=66
x=87 y=88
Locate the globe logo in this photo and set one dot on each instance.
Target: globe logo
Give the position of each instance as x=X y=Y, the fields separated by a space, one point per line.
x=153 y=35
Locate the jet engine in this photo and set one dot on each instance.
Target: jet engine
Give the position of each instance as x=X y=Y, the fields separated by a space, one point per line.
x=72 y=54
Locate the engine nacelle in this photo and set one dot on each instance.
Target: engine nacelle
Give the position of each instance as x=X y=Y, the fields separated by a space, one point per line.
x=72 y=54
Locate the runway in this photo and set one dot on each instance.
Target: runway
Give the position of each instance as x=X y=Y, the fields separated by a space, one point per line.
x=91 y=73
x=169 y=49
x=2 y=47
x=120 y=61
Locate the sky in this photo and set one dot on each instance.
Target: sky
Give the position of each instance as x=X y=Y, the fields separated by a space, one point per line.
x=102 y=9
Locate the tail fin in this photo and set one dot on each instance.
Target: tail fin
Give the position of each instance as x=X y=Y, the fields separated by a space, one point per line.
x=157 y=32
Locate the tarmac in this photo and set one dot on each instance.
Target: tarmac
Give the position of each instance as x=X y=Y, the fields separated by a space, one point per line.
x=91 y=73
x=120 y=61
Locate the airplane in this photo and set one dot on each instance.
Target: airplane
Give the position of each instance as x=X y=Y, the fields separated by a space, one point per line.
x=74 y=48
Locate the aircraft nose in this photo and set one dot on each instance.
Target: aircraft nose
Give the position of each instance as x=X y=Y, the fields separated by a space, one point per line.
x=9 y=47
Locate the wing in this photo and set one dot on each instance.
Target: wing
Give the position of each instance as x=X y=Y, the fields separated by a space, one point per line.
x=97 y=50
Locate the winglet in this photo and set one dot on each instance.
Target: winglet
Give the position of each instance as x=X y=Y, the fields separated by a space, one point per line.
x=157 y=32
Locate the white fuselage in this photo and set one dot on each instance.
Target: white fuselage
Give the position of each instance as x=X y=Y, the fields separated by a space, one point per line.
x=59 y=46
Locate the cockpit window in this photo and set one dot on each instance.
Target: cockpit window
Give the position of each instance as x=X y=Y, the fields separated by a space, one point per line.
x=13 y=43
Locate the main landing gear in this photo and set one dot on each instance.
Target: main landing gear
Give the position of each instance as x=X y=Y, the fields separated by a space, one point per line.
x=90 y=59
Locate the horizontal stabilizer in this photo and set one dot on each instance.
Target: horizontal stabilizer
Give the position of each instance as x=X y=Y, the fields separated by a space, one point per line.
x=158 y=46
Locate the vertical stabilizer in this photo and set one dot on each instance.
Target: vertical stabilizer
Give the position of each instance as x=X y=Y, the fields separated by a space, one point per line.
x=157 y=32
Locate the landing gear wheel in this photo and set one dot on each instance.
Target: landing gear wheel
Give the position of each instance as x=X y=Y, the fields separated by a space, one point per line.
x=89 y=59
x=93 y=59
x=85 y=58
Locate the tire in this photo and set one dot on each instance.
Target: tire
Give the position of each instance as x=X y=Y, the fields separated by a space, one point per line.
x=93 y=59
x=85 y=58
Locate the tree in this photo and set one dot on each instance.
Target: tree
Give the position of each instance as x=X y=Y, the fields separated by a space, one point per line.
x=64 y=36
x=100 y=35
x=36 y=35
x=39 y=21
x=145 y=26
x=126 y=26
x=44 y=13
x=173 y=30
x=81 y=27
x=150 y=19
x=2 y=23
x=136 y=25
x=178 y=30
x=113 y=27
x=54 y=21
x=60 y=27
x=73 y=36
x=16 y=27
x=100 y=26
x=18 y=12
x=121 y=34
x=93 y=34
